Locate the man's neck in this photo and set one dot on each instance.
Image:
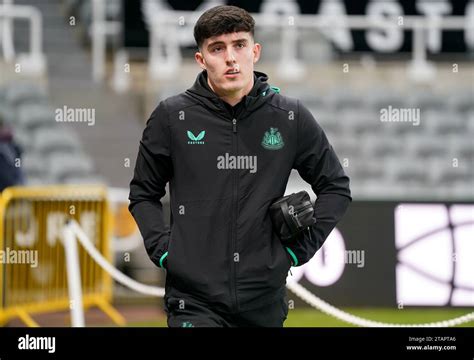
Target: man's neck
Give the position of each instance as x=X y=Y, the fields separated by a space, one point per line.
x=233 y=98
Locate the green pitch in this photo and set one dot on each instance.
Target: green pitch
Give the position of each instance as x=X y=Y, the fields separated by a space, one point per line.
x=314 y=318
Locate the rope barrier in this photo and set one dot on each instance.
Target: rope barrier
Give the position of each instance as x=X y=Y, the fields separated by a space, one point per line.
x=296 y=288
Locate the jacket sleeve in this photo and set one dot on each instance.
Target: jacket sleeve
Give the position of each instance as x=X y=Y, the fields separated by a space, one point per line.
x=318 y=165
x=153 y=169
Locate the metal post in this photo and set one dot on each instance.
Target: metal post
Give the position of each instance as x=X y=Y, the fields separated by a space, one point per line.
x=98 y=40
x=73 y=277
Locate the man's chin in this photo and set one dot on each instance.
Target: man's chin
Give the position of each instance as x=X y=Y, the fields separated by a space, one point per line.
x=231 y=88
x=228 y=86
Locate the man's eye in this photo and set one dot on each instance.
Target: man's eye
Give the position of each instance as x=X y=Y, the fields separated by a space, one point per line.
x=216 y=49
x=240 y=45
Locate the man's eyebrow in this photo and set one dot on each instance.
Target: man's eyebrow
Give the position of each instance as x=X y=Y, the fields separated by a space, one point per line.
x=223 y=43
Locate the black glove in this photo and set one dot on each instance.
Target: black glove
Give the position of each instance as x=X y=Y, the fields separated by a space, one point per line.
x=291 y=215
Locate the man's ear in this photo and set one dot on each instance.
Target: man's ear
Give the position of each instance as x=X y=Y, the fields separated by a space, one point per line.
x=257 y=49
x=200 y=60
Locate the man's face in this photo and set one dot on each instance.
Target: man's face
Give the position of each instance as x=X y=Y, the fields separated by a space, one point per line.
x=229 y=60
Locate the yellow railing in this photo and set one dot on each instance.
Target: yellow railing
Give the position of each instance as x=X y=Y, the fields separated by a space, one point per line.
x=33 y=276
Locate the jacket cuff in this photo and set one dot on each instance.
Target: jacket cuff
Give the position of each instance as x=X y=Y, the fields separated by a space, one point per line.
x=294 y=259
x=163 y=260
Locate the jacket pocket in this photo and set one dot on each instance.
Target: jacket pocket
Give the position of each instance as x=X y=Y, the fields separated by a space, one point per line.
x=198 y=256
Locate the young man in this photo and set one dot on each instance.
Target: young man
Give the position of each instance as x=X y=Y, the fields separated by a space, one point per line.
x=227 y=146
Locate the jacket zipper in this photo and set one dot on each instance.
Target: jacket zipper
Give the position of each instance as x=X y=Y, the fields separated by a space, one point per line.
x=235 y=175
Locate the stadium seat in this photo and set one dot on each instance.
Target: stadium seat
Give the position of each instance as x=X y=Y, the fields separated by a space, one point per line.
x=343 y=98
x=63 y=166
x=454 y=176
x=380 y=97
x=47 y=141
x=444 y=122
x=409 y=170
x=33 y=116
x=34 y=165
x=464 y=148
x=462 y=100
x=24 y=92
x=365 y=170
x=359 y=123
x=313 y=101
x=469 y=116
x=428 y=147
x=425 y=99
x=382 y=147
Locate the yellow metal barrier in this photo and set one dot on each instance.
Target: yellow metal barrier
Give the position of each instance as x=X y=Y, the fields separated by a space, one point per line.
x=33 y=276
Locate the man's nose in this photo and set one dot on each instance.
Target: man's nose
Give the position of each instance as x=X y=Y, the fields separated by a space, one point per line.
x=230 y=57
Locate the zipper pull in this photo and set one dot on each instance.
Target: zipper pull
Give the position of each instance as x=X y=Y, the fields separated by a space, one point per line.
x=234 y=125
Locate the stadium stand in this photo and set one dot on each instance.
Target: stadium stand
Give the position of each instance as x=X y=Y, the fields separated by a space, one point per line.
x=51 y=154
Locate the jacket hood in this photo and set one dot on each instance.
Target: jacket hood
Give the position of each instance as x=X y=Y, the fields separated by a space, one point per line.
x=261 y=92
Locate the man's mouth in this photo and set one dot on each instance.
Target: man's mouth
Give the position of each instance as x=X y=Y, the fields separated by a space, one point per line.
x=235 y=70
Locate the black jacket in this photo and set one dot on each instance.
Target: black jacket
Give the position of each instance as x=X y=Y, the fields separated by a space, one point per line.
x=223 y=174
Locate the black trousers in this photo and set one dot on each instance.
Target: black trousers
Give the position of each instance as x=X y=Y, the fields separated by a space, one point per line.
x=189 y=313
